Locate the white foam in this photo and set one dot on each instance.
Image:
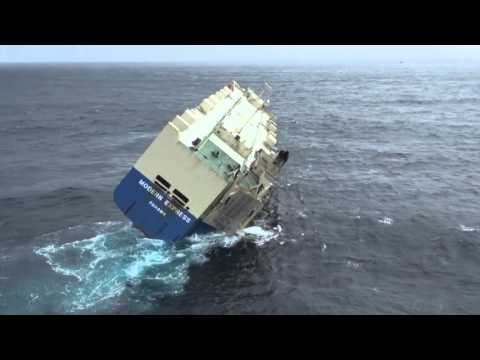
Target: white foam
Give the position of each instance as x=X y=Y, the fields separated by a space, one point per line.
x=256 y=230
x=468 y=229
x=260 y=235
x=103 y=265
x=386 y=220
x=353 y=264
x=145 y=259
x=302 y=215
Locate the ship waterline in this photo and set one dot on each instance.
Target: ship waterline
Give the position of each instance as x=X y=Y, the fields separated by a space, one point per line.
x=211 y=168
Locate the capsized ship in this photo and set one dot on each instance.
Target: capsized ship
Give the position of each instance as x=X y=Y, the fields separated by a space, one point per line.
x=210 y=169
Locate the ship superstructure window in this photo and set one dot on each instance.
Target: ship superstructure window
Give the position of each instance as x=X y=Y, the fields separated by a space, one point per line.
x=183 y=199
x=260 y=188
x=217 y=158
x=164 y=184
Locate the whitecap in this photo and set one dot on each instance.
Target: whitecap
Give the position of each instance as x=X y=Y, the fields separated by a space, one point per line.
x=353 y=264
x=386 y=220
x=468 y=229
x=302 y=215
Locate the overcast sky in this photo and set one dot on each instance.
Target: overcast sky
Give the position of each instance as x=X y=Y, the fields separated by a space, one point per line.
x=246 y=54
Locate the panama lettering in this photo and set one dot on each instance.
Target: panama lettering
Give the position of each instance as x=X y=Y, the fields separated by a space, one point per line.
x=152 y=204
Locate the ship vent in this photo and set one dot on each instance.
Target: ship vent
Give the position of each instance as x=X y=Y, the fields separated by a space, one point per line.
x=164 y=184
x=195 y=144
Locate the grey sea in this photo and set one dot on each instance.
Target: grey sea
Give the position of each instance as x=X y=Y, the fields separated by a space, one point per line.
x=378 y=206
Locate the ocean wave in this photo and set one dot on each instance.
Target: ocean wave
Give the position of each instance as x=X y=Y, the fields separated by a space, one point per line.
x=413 y=101
x=20 y=129
x=141 y=135
x=67 y=193
x=118 y=257
x=468 y=228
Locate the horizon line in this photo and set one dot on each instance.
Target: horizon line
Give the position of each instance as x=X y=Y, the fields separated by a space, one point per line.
x=246 y=63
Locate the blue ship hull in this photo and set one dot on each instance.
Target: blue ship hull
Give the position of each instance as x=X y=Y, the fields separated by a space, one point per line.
x=153 y=211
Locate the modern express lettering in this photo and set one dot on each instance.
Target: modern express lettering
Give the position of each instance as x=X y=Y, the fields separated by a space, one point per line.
x=167 y=203
x=150 y=189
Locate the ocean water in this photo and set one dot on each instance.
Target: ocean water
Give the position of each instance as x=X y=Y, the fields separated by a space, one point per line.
x=377 y=209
